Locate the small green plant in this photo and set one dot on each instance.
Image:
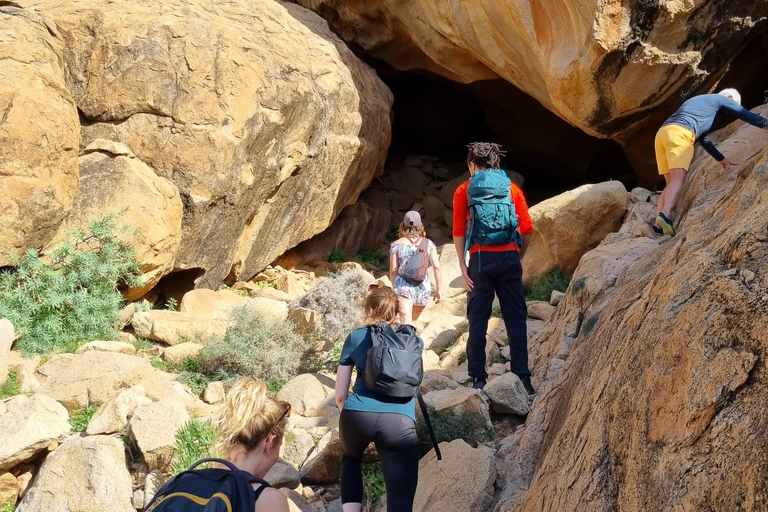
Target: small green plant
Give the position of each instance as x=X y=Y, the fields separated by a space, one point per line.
x=254 y=346
x=373 y=479
x=10 y=386
x=496 y=312
x=193 y=442
x=72 y=296
x=542 y=286
x=143 y=305
x=494 y=360
x=142 y=343
x=171 y=304
x=190 y=371
x=8 y=506
x=462 y=357
x=79 y=420
x=375 y=258
x=449 y=426
x=338 y=256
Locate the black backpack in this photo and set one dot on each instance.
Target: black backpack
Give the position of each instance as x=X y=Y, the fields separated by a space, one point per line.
x=394 y=367
x=414 y=270
x=208 y=490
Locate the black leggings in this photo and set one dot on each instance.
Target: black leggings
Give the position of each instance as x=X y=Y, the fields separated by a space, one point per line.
x=395 y=438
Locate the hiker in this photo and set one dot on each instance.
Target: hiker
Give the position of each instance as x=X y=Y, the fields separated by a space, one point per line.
x=675 y=140
x=413 y=291
x=250 y=428
x=367 y=416
x=494 y=262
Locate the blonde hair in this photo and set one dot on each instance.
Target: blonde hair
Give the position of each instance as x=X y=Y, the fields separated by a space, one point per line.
x=248 y=416
x=382 y=303
x=411 y=231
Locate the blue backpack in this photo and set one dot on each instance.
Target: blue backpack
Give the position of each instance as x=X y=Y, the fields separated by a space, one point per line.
x=492 y=218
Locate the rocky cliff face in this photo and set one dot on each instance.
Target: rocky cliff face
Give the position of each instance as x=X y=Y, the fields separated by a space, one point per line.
x=263 y=120
x=651 y=380
x=602 y=66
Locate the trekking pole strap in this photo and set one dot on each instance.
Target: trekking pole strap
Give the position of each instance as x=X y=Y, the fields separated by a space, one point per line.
x=425 y=414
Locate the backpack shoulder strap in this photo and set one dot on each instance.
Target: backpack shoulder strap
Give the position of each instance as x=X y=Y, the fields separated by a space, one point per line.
x=431 y=431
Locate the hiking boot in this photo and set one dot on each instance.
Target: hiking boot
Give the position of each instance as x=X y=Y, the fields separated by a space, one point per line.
x=478 y=383
x=657 y=230
x=527 y=385
x=666 y=225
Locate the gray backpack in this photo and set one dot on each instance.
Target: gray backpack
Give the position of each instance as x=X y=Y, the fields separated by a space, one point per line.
x=414 y=270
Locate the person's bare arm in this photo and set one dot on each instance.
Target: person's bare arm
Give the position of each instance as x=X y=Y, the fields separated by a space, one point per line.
x=271 y=500
x=526 y=242
x=343 y=378
x=458 y=243
x=392 y=268
x=435 y=262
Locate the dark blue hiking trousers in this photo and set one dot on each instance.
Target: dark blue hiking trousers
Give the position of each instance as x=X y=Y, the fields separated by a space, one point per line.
x=501 y=274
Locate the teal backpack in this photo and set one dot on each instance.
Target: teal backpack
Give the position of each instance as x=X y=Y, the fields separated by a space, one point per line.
x=492 y=218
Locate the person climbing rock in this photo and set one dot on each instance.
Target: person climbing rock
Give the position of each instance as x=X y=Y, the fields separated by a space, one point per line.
x=491 y=222
x=368 y=416
x=675 y=140
x=409 y=259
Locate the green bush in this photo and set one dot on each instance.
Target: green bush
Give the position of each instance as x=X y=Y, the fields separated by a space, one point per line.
x=257 y=347
x=71 y=296
x=194 y=441
x=339 y=297
x=449 y=426
x=8 y=506
x=190 y=371
x=338 y=256
x=373 y=479
x=375 y=258
x=79 y=420
x=10 y=386
x=541 y=287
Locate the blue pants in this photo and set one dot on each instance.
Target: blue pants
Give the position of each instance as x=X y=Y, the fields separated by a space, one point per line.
x=501 y=274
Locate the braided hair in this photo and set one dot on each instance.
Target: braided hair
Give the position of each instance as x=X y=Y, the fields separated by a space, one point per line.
x=485 y=155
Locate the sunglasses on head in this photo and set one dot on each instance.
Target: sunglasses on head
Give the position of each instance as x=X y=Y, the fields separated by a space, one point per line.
x=286 y=414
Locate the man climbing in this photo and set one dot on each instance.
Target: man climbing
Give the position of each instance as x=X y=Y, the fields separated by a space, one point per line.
x=490 y=214
x=678 y=134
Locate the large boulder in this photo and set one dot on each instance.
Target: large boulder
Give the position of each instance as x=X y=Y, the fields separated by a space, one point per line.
x=83 y=474
x=114 y=414
x=664 y=384
x=461 y=482
x=39 y=132
x=173 y=327
x=153 y=426
x=29 y=427
x=265 y=121
x=568 y=225
x=112 y=179
x=310 y=394
x=217 y=305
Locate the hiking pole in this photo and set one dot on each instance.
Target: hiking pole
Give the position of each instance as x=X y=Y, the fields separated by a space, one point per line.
x=429 y=425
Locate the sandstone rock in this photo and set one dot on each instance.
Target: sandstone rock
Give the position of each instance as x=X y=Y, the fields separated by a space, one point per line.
x=306 y=320
x=296 y=447
x=172 y=327
x=434 y=208
x=461 y=482
x=290 y=285
x=84 y=473
x=9 y=488
x=25 y=481
x=218 y=141
x=555 y=297
x=214 y=392
x=430 y=360
x=507 y=395
x=497 y=332
x=540 y=310
x=282 y=474
x=152 y=484
x=153 y=427
x=324 y=465
x=454 y=355
x=114 y=414
x=26 y=380
x=112 y=179
x=7 y=335
x=446 y=193
x=434 y=382
x=119 y=347
x=218 y=305
x=29 y=427
x=568 y=225
x=297 y=502
x=137 y=500
x=309 y=394
x=639 y=195
x=91 y=377
x=266 y=292
x=177 y=354
x=453 y=282
x=460 y=401
x=443 y=330
x=38 y=167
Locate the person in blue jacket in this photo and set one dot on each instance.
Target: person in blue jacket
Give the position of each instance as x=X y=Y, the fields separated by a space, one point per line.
x=675 y=140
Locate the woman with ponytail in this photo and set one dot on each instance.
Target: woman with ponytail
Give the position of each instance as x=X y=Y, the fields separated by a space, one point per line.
x=388 y=422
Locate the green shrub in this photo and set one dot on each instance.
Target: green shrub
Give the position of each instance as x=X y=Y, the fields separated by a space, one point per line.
x=338 y=256
x=194 y=441
x=375 y=258
x=71 y=296
x=8 y=506
x=449 y=426
x=10 y=386
x=541 y=287
x=255 y=346
x=373 y=479
x=339 y=297
x=79 y=420
x=191 y=373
